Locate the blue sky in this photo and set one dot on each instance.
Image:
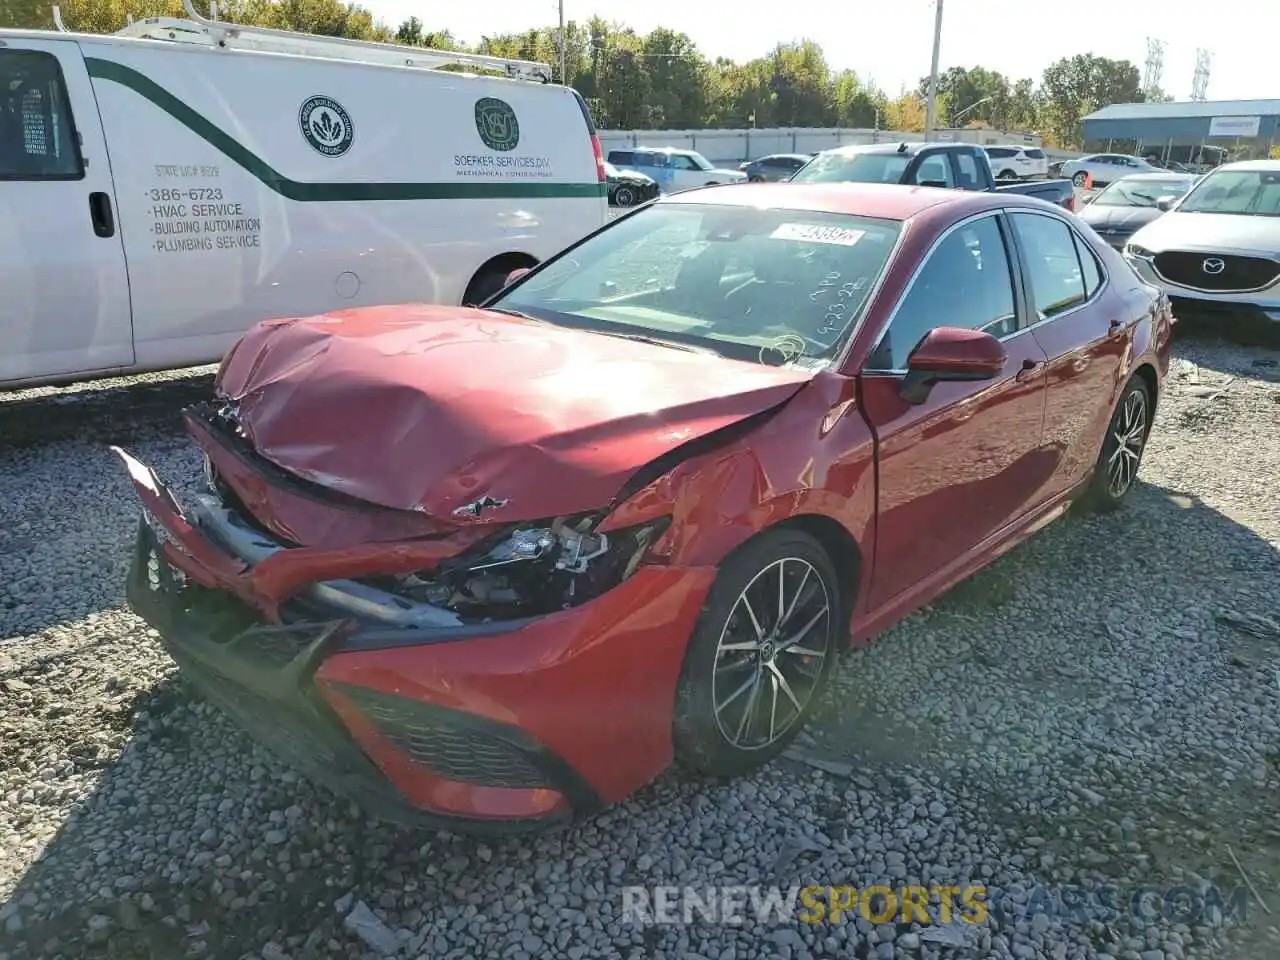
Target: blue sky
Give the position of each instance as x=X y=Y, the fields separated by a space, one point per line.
x=890 y=42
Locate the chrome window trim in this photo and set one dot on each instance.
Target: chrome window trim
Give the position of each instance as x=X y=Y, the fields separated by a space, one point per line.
x=1102 y=271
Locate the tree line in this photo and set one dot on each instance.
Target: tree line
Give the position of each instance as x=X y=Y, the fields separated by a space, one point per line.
x=660 y=80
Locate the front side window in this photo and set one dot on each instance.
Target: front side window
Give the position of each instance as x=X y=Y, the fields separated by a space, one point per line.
x=1053 y=267
x=765 y=286
x=37 y=136
x=680 y=162
x=854 y=168
x=1250 y=192
x=699 y=161
x=965 y=282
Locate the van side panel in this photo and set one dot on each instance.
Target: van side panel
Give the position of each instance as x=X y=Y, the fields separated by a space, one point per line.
x=64 y=291
x=255 y=186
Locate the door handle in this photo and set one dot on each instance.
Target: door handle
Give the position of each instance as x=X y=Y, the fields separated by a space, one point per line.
x=104 y=221
x=1030 y=368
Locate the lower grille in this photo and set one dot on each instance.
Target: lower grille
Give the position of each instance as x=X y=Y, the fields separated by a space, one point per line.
x=1219 y=273
x=438 y=740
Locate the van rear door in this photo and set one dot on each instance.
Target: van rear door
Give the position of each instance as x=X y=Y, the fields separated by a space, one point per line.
x=62 y=264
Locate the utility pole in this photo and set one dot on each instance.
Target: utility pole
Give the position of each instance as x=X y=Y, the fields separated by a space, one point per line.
x=931 y=105
x=564 y=79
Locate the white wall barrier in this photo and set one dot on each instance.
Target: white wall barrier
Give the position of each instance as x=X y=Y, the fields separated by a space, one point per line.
x=734 y=146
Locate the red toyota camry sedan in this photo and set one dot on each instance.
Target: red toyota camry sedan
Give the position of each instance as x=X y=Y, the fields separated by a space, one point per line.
x=498 y=567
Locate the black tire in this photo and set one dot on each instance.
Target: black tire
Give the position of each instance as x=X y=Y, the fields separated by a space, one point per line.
x=794 y=559
x=1132 y=419
x=624 y=196
x=1080 y=179
x=755 y=178
x=484 y=285
x=1009 y=175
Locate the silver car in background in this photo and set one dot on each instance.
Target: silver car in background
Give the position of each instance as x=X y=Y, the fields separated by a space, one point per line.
x=1131 y=203
x=1216 y=253
x=1104 y=168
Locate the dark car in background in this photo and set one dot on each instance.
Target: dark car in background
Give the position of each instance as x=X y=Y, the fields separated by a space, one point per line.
x=1132 y=202
x=774 y=167
x=627 y=188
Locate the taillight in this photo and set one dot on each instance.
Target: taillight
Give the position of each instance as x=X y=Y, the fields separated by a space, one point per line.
x=595 y=145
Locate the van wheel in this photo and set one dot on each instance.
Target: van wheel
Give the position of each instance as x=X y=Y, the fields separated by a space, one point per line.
x=489 y=281
x=760 y=655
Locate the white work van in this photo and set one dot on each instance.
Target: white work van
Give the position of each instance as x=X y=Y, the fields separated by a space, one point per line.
x=166 y=187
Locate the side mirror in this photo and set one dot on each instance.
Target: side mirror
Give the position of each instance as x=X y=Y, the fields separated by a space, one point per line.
x=515 y=275
x=1164 y=204
x=951 y=354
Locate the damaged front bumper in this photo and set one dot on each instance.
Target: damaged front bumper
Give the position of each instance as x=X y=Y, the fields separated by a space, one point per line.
x=503 y=726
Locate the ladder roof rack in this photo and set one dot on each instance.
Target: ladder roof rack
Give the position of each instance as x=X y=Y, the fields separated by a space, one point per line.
x=218 y=34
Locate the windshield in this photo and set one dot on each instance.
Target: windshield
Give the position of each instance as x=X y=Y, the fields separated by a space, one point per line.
x=1142 y=193
x=768 y=286
x=854 y=168
x=1250 y=192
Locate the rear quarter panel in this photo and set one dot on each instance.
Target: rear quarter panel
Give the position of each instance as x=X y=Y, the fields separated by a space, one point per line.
x=230 y=216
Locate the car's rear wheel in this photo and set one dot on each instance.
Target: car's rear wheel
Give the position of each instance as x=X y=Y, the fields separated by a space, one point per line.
x=760 y=655
x=624 y=197
x=1080 y=179
x=1116 y=471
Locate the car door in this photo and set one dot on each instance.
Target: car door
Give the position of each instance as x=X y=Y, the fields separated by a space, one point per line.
x=62 y=266
x=686 y=173
x=957 y=468
x=1084 y=325
x=934 y=169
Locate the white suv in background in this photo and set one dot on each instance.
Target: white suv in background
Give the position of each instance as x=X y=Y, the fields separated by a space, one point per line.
x=1017 y=163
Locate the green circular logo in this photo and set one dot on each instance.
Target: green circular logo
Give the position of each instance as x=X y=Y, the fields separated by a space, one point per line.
x=497 y=125
x=326 y=126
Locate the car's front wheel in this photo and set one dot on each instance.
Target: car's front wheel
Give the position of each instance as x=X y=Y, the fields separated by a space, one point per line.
x=624 y=197
x=760 y=655
x=1116 y=471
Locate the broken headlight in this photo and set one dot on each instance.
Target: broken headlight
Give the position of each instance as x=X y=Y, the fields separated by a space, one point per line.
x=537 y=568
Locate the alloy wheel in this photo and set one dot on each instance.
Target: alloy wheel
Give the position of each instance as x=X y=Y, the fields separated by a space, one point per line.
x=771 y=653
x=1128 y=435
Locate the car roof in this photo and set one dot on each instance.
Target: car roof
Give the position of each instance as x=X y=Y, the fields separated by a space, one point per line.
x=897 y=146
x=784 y=156
x=886 y=201
x=1272 y=166
x=1159 y=175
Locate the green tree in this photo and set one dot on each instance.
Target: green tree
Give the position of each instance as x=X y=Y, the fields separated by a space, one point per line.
x=1075 y=86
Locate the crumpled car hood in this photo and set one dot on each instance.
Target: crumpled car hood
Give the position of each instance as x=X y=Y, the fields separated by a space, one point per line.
x=435 y=409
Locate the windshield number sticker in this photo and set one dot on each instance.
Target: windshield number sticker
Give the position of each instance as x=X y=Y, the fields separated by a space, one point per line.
x=813 y=233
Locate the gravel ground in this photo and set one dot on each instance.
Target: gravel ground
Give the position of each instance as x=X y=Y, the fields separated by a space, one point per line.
x=1097 y=707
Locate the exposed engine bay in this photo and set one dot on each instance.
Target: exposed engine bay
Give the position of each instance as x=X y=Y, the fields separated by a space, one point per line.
x=521 y=570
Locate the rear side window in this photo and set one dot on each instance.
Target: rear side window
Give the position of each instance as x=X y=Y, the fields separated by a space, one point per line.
x=1089 y=268
x=1000 y=152
x=1053 y=266
x=37 y=136
x=1034 y=154
x=935 y=170
x=622 y=158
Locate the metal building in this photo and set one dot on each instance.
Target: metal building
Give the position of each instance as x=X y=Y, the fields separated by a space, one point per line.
x=1205 y=131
